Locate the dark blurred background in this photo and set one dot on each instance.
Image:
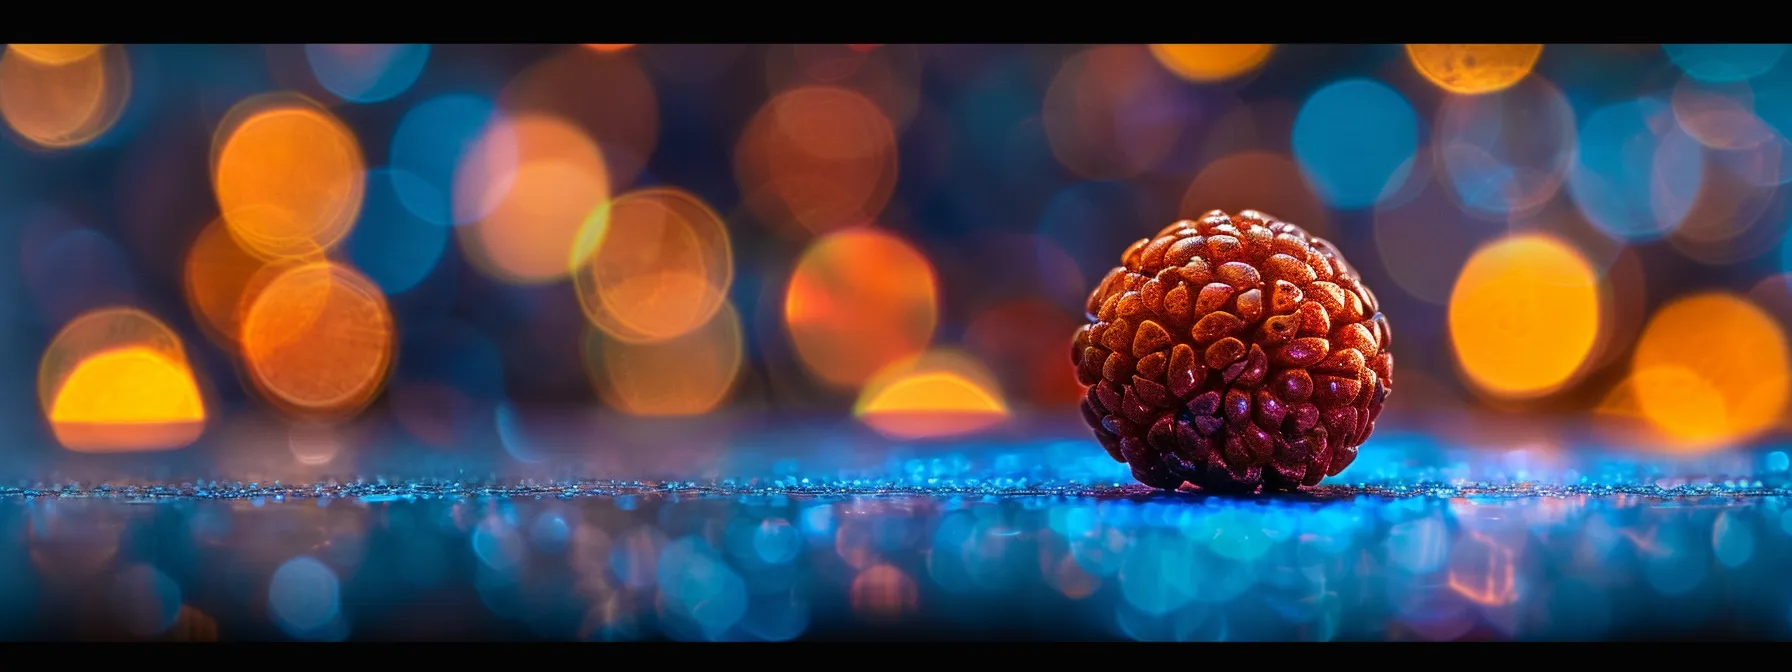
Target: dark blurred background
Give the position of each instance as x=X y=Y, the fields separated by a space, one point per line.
x=320 y=254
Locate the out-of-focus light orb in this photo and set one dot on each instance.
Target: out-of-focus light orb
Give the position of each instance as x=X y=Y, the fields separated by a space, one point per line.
x=318 y=340
x=117 y=380
x=367 y=73
x=939 y=394
x=1711 y=369
x=1724 y=62
x=652 y=264
x=1212 y=62
x=1256 y=180
x=56 y=54
x=535 y=206
x=1506 y=152
x=1720 y=116
x=216 y=275
x=818 y=157
x=1524 y=315
x=432 y=140
x=1630 y=180
x=607 y=96
x=1474 y=68
x=608 y=48
x=391 y=244
x=64 y=103
x=858 y=301
x=1108 y=113
x=688 y=374
x=304 y=598
x=1423 y=241
x=289 y=179
x=1351 y=137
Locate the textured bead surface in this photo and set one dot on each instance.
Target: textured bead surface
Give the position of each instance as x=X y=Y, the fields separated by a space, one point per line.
x=1233 y=352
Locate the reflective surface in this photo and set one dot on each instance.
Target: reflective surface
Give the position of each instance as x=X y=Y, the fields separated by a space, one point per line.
x=1020 y=540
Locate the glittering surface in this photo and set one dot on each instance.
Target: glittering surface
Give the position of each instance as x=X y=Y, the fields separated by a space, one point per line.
x=1037 y=539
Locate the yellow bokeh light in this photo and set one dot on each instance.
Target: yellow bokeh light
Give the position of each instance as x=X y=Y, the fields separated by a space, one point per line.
x=289 y=178
x=117 y=380
x=56 y=54
x=64 y=103
x=652 y=264
x=1211 y=62
x=859 y=300
x=689 y=374
x=939 y=394
x=1710 y=369
x=318 y=340
x=536 y=206
x=1524 y=316
x=1474 y=68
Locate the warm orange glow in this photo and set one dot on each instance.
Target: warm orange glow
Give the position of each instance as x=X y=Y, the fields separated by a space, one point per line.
x=1091 y=119
x=608 y=48
x=1493 y=585
x=689 y=374
x=289 y=178
x=216 y=276
x=938 y=395
x=1211 y=62
x=1257 y=180
x=116 y=380
x=859 y=300
x=1524 y=316
x=318 y=340
x=536 y=205
x=817 y=159
x=1710 y=370
x=1474 y=68
x=657 y=263
x=66 y=100
x=56 y=54
x=604 y=94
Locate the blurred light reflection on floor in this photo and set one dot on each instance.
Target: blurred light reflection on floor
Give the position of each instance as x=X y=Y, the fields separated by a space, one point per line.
x=772 y=566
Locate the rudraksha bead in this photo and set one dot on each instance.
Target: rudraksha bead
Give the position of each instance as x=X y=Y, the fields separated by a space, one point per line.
x=1233 y=353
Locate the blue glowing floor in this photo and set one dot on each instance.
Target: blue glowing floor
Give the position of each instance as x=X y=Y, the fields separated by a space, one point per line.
x=1024 y=539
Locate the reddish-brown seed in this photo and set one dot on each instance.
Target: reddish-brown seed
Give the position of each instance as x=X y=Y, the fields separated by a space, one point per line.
x=1238 y=408
x=1232 y=351
x=1238 y=274
x=1256 y=365
x=1303 y=352
x=1224 y=352
x=1152 y=392
x=1152 y=293
x=1250 y=306
x=1284 y=267
x=1179 y=307
x=1152 y=366
x=1184 y=373
x=1294 y=385
x=1117 y=367
x=1196 y=272
x=1215 y=326
x=1150 y=338
x=1088 y=371
x=1313 y=321
x=1151 y=258
x=1182 y=250
x=1117 y=335
x=1214 y=296
x=1130 y=258
x=1222 y=248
